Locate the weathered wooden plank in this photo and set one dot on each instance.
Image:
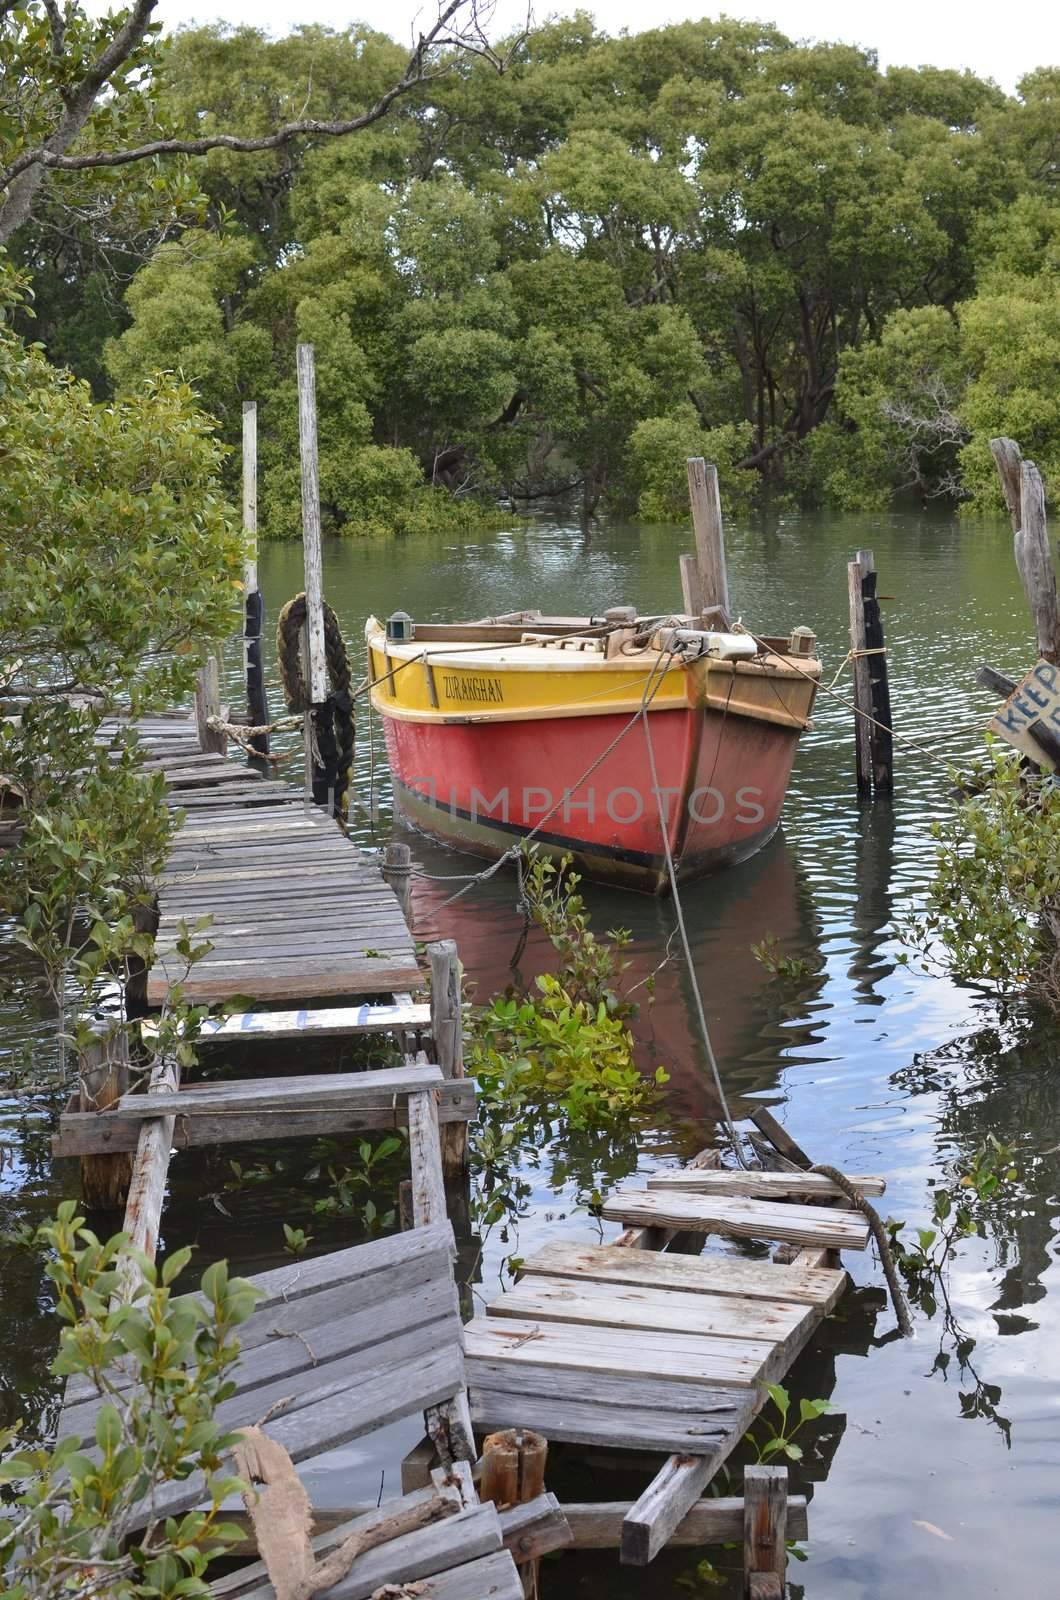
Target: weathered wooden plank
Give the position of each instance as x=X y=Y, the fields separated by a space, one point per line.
x=475 y=1570
x=765 y=1499
x=633 y=1353
x=760 y=1185
x=598 y=1525
x=627 y=1426
x=431 y=1249
x=305 y=1360
x=341 y=1412
x=742 y=1219
x=359 y=977
x=425 y=1155
x=147 y=1188
x=333 y=1022
x=649 y=1524
x=779 y=1137
x=713 y=1274
x=263 y=1093
x=535 y=1528
x=86 y=1133
x=667 y=1310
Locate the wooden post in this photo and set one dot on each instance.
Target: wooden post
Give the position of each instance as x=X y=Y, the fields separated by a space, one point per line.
x=765 y=1523
x=147 y=1187
x=447 y=1026
x=1035 y=561
x=691 y=595
x=254 y=608
x=103 y=1077
x=513 y=1473
x=314 y=662
x=208 y=704
x=705 y=495
x=1021 y=484
x=397 y=870
x=862 y=686
x=881 y=741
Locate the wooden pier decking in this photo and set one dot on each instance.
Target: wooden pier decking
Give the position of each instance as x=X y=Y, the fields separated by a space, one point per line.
x=297 y=911
x=630 y=1346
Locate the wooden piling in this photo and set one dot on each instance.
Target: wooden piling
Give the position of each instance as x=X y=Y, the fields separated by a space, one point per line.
x=253 y=604
x=103 y=1077
x=397 y=870
x=1021 y=484
x=691 y=597
x=513 y=1473
x=314 y=661
x=765 y=1512
x=705 y=495
x=207 y=705
x=873 y=740
x=447 y=1027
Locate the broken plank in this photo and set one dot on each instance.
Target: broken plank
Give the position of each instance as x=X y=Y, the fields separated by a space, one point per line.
x=598 y=1525
x=739 y=1218
x=87 y=1133
x=289 y=1094
x=713 y=1274
x=336 y=1022
x=359 y=977
x=667 y=1310
x=675 y=1489
x=780 y=1138
x=628 y=1353
x=761 y=1185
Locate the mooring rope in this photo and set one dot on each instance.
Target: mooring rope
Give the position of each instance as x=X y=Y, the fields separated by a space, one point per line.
x=883 y=1244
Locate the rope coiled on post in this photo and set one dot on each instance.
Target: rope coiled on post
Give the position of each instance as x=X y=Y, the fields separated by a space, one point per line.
x=883 y=1244
x=334 y=728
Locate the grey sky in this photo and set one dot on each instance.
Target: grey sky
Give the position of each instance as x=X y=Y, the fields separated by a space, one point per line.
x=1001 y=42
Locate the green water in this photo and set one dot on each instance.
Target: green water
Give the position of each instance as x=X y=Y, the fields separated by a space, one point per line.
x=875 y=1067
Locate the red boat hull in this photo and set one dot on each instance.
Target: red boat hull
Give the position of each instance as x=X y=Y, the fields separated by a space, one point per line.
x=482 y=785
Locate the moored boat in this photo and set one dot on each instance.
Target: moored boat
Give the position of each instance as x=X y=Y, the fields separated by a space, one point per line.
x=610 y=737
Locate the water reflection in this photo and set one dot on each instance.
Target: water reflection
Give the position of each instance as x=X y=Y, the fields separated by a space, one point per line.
x=876 y=1067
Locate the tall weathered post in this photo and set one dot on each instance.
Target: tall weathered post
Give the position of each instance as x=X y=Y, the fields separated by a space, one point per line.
x=873 y=738
x=253 y=603
x=704 y=492
x=103 y=1077
x=447 y=1027
x=314 y=665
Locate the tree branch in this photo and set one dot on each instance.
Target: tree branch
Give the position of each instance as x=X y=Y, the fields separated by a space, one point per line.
x=25 y=173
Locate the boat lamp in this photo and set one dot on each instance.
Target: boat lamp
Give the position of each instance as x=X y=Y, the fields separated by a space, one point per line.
x=400 y=628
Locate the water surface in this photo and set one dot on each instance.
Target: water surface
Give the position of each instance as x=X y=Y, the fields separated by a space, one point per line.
x=931 y=1475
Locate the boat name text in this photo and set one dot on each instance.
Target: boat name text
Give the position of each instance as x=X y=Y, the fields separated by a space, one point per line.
x=474 y=690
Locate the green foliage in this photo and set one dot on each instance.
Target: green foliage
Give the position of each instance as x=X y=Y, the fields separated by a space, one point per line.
x=791 y=968
x=552 y=1046
x=993 y=907
x=779 y=1436
x=687 y=240
x=67 y=1524
x=591 y=968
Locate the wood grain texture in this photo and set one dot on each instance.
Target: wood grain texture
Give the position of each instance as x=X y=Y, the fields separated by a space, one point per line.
x=282 y=1094
x=761 y=1185
x=539 y=1298
x=598 y=1526
x=739 y=1218
x=706 y=1274
x=630 y=1353
x=84 y=1133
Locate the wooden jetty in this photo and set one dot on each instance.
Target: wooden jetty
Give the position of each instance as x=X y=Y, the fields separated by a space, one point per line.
x=634 y=1346
x=297 y=911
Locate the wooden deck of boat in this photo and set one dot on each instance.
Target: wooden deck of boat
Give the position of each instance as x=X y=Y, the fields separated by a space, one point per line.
x=298 y=913
x=628 y=1345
